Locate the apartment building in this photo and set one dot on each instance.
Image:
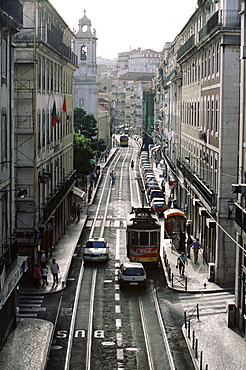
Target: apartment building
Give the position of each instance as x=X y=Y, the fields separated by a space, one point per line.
x=198 y=98
x=43 y=99
x=12 y=266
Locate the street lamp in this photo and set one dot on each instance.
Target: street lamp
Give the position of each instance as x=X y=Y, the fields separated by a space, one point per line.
x=22 y=193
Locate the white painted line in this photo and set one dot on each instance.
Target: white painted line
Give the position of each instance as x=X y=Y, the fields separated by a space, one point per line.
x=117 y=309
x=118 y=323
x=117 y=297
x=117 y=252
x=119 y=339
x=120 y=355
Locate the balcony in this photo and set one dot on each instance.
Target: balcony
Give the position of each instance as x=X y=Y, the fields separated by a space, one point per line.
x=58 y=197
x=13 y=9
x=226 y=18
x=186 y=47
x=52 y=37
x=240 y=217
x=201 y=188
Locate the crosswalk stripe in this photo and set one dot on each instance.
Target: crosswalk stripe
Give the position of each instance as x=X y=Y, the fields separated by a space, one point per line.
x=108 y=223
x=29 y=306
x=213 y=303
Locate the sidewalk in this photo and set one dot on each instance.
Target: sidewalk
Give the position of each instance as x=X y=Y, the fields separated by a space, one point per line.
x=27 y=346
x=218 y=346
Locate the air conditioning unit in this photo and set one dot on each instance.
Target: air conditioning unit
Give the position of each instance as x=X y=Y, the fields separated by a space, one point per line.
x=200 y=134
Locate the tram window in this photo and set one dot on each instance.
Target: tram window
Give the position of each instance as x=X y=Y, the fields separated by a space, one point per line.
x=144 y=238
x=134 y=238
x=153 y=238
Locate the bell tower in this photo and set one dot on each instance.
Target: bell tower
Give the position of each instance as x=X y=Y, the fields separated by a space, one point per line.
x=85 y=78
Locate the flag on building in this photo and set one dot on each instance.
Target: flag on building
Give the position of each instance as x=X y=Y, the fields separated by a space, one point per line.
x=64 y=106
x=54 y=115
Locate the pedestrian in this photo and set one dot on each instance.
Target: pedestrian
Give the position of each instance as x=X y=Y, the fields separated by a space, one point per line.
x=196 y=246
x=54 y=268
x=89 y=194
x=189 y=243
x=73 y=211
x=181 y=263
x=45 y=275
x=170 y=200
x=43 y=258
x=36 y=275
x=78 y=211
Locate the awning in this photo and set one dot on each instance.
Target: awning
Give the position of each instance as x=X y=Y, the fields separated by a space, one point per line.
x=78 y=192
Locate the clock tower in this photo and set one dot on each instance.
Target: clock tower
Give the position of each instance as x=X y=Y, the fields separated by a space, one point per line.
x=85 y=78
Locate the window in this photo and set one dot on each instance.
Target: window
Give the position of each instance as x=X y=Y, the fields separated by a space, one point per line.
x=4 y=58
x=134 y=238
x=216 y=123
x=212 y=115
x=83 y=54
x=144 y=238
x=154 y=238
x=218 y=59
x=208 y=115
x=213 y=60
x=4 y=141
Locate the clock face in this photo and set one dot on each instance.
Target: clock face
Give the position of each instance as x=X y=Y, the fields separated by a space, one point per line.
x=83 y=69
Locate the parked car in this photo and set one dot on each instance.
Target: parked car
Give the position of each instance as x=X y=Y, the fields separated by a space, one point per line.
x=158 y=205
x=132 y=274
x=156 y=194
x=96 y=249
x=152 y=187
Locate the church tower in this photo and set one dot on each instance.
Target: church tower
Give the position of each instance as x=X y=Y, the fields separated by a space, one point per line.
x=85 y=77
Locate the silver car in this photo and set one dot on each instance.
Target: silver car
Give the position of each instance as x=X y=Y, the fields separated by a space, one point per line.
x=132 y=274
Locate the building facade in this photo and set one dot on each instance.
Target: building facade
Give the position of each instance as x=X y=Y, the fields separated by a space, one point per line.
x=85 y=78
x=12 y=266
x=43 y=98
x=239 y=189
x=198 y=98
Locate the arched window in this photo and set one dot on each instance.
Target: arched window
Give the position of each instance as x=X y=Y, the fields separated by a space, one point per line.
x=83 y=54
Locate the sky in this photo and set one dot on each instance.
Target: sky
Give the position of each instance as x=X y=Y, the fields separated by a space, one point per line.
x=129 y=24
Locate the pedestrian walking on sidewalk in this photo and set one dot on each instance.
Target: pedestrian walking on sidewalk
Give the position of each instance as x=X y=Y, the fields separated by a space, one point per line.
x=78 y=210
x=43 y=259
x=196 y=246
x=181 y=263
x=44 y=272
x=189 y=244
x=74 y=211
x=36 y=276
x=54 y=268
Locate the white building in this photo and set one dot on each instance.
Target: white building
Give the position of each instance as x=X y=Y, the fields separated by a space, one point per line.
x=85 y=78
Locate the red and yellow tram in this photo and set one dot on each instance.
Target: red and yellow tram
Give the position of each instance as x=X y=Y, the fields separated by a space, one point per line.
x=143 y=236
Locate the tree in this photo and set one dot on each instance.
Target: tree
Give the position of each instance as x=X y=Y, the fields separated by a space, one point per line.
x=99 y=146
x=85 y=124
x=83 y=155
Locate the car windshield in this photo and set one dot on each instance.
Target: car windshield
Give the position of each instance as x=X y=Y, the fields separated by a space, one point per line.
x=95 y=244
x=133 y=271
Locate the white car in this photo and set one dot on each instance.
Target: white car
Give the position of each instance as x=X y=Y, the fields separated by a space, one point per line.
x=96 y=249
x=132 y=274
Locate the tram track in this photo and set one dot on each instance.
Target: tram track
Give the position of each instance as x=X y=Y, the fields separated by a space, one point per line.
x=99 y=335
x=94 y=274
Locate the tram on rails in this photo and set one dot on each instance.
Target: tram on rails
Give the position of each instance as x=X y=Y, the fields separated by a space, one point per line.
x=175 y=221
x=143 y=232
x=124 y=140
